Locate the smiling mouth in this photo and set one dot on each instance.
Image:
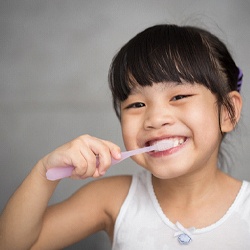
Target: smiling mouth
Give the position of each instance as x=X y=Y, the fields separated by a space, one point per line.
x=175 y=141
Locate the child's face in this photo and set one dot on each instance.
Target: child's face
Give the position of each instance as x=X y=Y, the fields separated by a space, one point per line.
x=185 y=113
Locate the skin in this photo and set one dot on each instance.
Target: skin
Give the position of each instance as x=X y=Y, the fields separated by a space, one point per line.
x=186 y=180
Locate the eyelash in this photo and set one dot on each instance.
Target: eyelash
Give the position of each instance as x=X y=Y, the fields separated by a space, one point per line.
x=179 y=97
x=135 y=105
x=141 y=104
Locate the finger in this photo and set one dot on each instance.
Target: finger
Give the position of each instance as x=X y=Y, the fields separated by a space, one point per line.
x=114 y=149
x=96 y=174
x=85 y=164
x=101 y=148
x=105 y=158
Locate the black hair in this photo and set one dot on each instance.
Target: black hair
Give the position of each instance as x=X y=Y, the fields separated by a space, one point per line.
x=171 y=53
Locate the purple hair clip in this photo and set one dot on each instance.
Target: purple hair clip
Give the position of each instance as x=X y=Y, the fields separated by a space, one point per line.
x=239 y=81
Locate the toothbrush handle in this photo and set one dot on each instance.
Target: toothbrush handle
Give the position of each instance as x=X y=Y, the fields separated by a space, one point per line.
x=124 y=155
x=63 y=172
x=127 y=154
x=53 y=174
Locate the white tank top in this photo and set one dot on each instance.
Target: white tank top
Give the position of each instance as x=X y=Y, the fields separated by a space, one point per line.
x=142 y=225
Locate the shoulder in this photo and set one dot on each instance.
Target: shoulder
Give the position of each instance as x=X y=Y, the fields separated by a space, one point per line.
x=107 y=193
x=113 y=191
x=96 y=203
x=109 y=190
x=242 y=201
x=107 y=186
x=245 y=191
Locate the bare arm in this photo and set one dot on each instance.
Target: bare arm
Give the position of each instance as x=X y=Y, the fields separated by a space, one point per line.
x=26 y=215
x=92 y=208
x=21 y=220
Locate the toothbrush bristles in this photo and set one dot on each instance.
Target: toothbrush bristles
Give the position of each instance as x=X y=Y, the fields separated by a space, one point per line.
x=164 y=145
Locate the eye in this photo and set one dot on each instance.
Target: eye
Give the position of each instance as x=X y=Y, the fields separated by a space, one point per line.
x=179 y=97
x=136 y=105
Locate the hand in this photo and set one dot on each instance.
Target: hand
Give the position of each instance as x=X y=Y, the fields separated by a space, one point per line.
x=81 y=153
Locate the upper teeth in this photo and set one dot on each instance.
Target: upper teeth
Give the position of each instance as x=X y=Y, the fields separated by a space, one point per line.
x=174 y=141
x=178 y=142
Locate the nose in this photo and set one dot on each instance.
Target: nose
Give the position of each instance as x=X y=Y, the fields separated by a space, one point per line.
x=158 y=117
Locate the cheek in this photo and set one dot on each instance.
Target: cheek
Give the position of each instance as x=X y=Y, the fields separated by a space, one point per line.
x=129 y=132
x=206 y=122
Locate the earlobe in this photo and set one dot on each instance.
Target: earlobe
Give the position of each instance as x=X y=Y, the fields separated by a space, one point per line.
x=228 y=122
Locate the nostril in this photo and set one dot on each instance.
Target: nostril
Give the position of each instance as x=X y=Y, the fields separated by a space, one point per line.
x=158 y=117
x=150 y=127
x=155 y=125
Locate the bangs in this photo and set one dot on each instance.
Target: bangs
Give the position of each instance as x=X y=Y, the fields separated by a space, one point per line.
x=164 y=53
x=161 y=56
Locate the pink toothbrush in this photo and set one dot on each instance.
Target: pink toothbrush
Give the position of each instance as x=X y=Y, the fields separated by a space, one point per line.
x=63 y=172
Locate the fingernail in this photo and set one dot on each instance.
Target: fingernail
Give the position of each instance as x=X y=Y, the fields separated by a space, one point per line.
x=116 y=154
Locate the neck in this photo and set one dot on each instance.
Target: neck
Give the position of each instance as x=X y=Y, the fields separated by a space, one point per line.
x=189 y=190
x=196 y=201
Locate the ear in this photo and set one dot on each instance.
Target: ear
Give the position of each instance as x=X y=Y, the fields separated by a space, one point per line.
x=228 y=124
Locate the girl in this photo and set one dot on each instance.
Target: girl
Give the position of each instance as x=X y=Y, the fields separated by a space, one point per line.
x=169 y=83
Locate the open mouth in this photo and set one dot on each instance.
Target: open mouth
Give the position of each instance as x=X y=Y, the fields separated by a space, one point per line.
x=174 y=141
